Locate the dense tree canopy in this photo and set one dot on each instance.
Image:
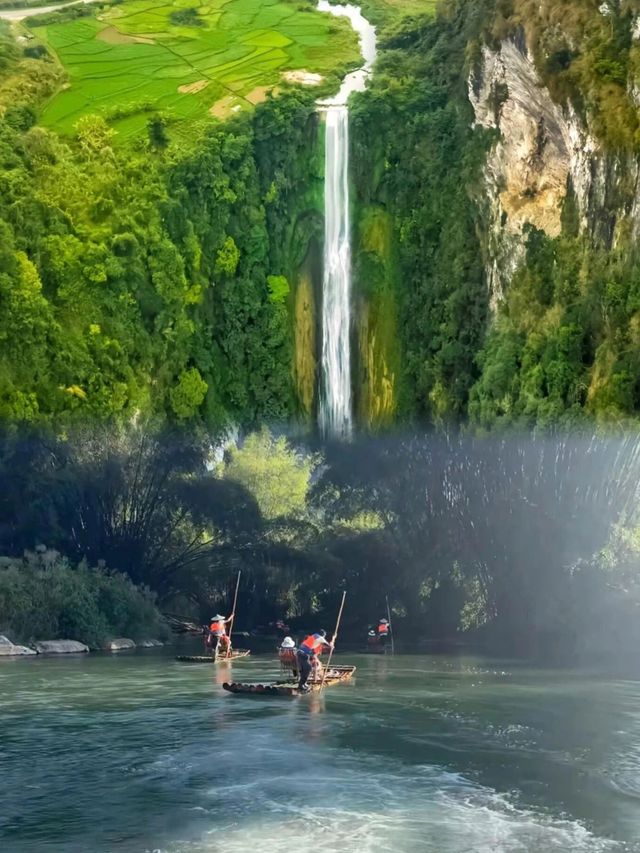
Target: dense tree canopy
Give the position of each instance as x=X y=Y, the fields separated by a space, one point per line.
x=142 y=280
x=560 y=345
x=514 y=540
x=158 y=284
x=162 y=279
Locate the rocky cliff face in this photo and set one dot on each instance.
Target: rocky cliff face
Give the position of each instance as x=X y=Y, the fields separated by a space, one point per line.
x=543 y=152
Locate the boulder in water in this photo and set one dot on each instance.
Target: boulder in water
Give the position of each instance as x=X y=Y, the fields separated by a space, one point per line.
x=16 y=651
x=150 y=644
x=119 y=644
x=60 y=647
x=8 y=649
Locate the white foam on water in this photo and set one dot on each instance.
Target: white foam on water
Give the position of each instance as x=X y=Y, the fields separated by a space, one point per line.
x=360 y=809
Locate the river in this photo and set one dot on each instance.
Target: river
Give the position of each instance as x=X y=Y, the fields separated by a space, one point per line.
x=20 y=14
x=140 y=753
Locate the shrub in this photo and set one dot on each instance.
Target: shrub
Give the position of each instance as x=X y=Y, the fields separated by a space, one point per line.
x=35 y=51
x=43 y=597
x=186 y=18
x=187 y=396
x=20 y=116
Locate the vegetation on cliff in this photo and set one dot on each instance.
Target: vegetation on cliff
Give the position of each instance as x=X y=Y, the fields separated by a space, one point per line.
x=561 y=343
x=179 y=278
x=425 y=178
x=566 y=343
x=142 y=281
x=564 y=346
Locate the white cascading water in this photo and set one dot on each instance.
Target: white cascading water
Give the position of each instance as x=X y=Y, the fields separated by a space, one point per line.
x=335 y=410
x=335 y=392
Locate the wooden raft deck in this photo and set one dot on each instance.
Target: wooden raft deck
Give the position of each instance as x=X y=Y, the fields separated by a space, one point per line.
x=335 y=675
x=235 y=655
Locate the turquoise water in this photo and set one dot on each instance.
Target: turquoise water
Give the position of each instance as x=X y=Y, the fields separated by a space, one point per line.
x=448 y=754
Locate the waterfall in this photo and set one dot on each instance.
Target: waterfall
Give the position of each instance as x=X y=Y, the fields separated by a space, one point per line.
x=335 y=392
x=335 y=409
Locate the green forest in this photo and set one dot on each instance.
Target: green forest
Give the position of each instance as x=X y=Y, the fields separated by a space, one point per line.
x=561 y=346
x=170 y=277
x=146 y=280
x=320 y=374
x=170 y=281
x=519 y=543
x=166 y=277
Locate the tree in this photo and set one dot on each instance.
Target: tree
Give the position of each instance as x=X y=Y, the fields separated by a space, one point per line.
x=94 y=135
x=188 y=395
x=140 y=500
x=157 y=130
x=278 y=288
x=227 y=258
x=274 y=472
x=488 y=529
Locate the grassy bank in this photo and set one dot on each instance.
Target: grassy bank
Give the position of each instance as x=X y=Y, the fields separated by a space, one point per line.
x=189 y=62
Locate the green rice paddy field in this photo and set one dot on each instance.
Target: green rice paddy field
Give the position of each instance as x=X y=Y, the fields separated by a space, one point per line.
x=130 y=61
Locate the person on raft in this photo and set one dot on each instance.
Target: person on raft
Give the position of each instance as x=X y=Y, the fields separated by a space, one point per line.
x=308 y=653
x=287 y=653
x=384 y=631
x=217 y=638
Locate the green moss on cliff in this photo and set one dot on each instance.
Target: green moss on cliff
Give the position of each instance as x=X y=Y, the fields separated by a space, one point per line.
x=379 y=355
x=417 y=157
x=305 y=335
x=565 y=345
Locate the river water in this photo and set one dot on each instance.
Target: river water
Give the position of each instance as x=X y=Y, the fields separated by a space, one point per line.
x=449 y=754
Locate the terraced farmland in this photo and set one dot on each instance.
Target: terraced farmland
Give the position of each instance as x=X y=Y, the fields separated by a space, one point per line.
x=186 y=60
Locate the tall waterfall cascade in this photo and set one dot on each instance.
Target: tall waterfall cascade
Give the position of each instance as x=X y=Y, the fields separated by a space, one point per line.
x=335 y=396
x=335 y=409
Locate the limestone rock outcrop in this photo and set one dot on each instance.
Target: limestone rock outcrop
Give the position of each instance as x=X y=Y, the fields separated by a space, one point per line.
x=119 y=644
x=9 y=649
x=60 y=647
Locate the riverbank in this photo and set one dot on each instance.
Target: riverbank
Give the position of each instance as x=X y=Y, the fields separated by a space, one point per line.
x=8 y=649
x=49 y=606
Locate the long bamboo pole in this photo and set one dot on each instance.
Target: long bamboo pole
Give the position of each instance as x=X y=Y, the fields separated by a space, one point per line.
x=333 y=641
x=393 y=651
x=233 y=614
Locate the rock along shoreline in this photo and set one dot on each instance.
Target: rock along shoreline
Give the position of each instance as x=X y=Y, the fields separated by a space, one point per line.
x=8 y=649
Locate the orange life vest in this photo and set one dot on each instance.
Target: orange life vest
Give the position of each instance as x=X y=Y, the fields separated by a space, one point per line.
x=218 y=628
x=312 y=644
x=383 y=628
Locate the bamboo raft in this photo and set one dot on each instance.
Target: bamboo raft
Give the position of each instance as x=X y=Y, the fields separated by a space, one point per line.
x=335 y=675
x=222 y=658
